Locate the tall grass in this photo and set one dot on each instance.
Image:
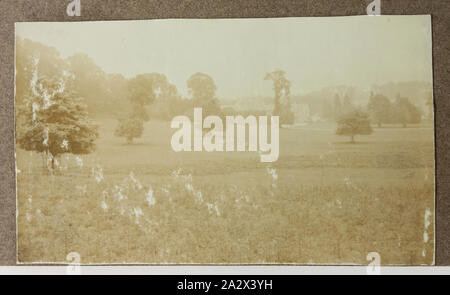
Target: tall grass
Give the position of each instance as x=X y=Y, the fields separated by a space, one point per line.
x=181 y=220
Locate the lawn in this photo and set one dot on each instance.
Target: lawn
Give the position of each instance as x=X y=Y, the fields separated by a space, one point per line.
x=324 y=201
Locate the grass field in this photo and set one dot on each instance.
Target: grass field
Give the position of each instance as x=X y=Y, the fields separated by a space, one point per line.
x=324 y=201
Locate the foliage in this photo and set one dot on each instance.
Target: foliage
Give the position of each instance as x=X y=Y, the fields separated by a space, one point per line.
x=203 y=90
x=34 y=59
x=55 y=122
x=348 y=202
x=129 y=128
x=145 y=89
x=282 y=103
x=337 y=106
x=353 y=123
x=406 y=112
x=380 y=109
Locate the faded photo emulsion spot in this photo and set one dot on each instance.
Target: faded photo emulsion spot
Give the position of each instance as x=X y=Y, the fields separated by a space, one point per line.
x=225 y=141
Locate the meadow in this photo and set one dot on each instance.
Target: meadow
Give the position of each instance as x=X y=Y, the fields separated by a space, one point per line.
x=324 y=201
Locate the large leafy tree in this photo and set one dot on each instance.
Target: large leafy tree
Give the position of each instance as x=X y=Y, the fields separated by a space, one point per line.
x=406 y=112
x=203 y=91
x=90 y=82
x=352 y=123
x=142 y=91
x=282 y=102
x=34 y=59
x=129 y=128
x=117 y=93
x=168 y=104
x=380 y=109
x=55 y=121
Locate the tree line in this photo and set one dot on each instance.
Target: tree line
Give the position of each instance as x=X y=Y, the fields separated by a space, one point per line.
x=56 y=99
x=352 y=120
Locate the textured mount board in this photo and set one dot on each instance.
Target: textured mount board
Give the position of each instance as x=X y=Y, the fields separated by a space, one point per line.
x=95 y=10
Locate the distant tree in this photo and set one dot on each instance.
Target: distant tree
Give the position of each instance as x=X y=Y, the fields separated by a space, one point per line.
x=140 y=94
x=352 y=123
x=90 y=82
x=201 y=86
x=337 y=106
x=347 y=105
x=129 y=128
x=282 y=103
x=380 y=109
x=117 y=86
x=169 y=107
x=55 y=122
x=145 y=89
x=203 y=90
x=34 y=60
x=168 y=103
x=406 y=112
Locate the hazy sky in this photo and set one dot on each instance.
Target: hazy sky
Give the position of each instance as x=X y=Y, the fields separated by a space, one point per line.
x=314 y=52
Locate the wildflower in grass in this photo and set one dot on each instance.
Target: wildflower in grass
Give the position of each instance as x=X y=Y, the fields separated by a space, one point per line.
x=79 y=161
x=273 y=173
x=189 y=187
x=425 y=237
x=137 y=213
x=117 y=191
x=29 y=208
x=136 y=182
x=213 y=209
x=104 y=206
x=149 y=197
x=427 y=218
x=217 y=210
x=198 y=197
x=176 y=173
x=97 y=172
x=350 y=184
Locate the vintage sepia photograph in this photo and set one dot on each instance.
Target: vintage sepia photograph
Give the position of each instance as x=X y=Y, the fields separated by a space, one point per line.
x=226 y=141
